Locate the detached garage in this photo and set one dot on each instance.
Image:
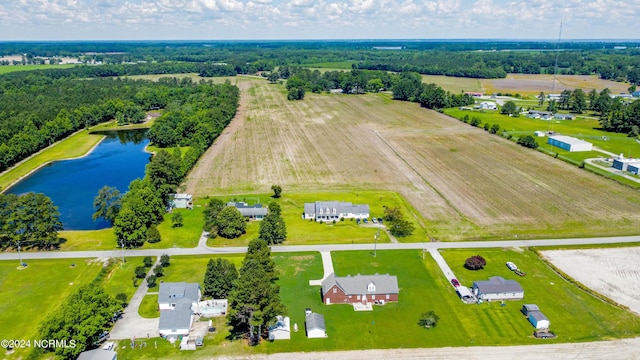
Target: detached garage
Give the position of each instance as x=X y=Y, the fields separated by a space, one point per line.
x=569 y=143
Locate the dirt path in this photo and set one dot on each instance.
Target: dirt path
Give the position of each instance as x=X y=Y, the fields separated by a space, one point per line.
x=616 y=349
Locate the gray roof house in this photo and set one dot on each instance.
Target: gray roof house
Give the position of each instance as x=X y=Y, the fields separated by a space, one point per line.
x=334 y=210
x=170 y=293
x=255 y=212
x=359 y=289
x=98 y=354
x=177 y=321
x=497 y=288
x=315 y=326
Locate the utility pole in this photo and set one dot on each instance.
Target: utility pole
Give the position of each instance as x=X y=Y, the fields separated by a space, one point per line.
x=375 y=241
x=122 y=246
x=19 y=254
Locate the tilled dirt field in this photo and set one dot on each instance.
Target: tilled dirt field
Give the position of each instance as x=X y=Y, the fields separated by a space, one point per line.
x=466 y=182
x=523 y=83
x=612 y=272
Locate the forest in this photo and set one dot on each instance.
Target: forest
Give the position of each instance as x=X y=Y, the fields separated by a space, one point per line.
x=479 y=59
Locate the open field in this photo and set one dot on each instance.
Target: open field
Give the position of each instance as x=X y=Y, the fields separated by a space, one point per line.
x=611 y=272
x=31 y=294
x=535 y=83
x=465 y=182
x=14 y=68
x=526 y=84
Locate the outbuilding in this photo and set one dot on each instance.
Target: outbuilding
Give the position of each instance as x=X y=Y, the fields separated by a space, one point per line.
x=314 y=324
x=281 y=330
x=569 y=143
x=623 y=164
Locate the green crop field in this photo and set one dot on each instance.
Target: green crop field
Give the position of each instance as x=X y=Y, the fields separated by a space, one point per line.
x=9 y=69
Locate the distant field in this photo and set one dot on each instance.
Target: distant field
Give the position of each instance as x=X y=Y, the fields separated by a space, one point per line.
x=525 y=84
x=14 y=68
x=534 y=84
x=466 y=183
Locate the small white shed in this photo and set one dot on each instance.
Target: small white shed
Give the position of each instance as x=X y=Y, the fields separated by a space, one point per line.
x=315 y=326
x=539 y=320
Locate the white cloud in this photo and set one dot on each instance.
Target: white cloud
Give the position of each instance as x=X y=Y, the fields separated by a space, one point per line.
x=231 y=19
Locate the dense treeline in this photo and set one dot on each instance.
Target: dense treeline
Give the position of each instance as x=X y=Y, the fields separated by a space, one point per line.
x=194 y=119
x=29 y=221
x=78 y=324
x=454 y=58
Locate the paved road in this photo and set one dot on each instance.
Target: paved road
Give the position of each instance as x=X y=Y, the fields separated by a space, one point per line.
x=205 y=250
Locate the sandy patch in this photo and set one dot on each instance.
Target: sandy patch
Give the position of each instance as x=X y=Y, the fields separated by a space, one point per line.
x=613 y=272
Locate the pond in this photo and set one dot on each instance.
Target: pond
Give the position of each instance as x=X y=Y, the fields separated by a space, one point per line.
x=72 y=184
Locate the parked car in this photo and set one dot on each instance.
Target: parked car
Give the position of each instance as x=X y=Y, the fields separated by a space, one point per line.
x=365 y=221
x=357 y=221
x=374 y=220
x=104 y=336
x=380 y=220
x=455 y=282
x=512 y=266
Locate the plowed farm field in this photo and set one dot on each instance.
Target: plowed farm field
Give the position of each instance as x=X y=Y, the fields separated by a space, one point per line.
x=464 y=182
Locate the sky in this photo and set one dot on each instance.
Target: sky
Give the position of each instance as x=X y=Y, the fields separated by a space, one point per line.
x=317 y=19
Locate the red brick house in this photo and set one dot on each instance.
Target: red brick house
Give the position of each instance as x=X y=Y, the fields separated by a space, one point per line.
x=374 y=289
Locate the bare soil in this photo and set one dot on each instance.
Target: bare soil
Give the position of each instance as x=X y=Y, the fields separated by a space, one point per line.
x=524 y=84
x=464 y=181
x=612 y=272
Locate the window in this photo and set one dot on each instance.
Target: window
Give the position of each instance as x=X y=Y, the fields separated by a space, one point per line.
x=371 y=287
x=387 y=296
x=334 y=210
x=358 y=297
x=373 y=296
x=320 y=210
x=335 y=290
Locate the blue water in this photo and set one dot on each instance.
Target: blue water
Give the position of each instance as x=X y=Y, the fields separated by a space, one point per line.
x=72 y=184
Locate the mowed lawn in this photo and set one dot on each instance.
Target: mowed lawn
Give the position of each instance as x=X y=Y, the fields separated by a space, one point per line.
x=574 y=314
x=31 y=294
x=305 y=232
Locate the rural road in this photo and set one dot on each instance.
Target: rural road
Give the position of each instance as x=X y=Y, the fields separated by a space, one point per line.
x=206 y=250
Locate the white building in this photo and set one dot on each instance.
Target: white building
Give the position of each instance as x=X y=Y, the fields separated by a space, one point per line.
x=497 y=288
x=334 y=210
x=281 y=330
x=314 y=323
x=569 y=143
x=171 y=292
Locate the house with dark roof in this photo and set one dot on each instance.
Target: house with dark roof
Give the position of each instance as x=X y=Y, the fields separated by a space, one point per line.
x=365 y=289
x=314 y=325
x=170 y=293
x=497 y=288
x=251 y=212
x=323 y=211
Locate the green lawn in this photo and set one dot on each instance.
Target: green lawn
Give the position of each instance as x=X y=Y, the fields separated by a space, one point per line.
x=31 y=294
x=192 y=268
x=149 y=306
x=559 y=300
x=422 y=288
x=184 y=236
x=120 y=280
x=103 y=239
x=12 y=68
x=300 y=231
